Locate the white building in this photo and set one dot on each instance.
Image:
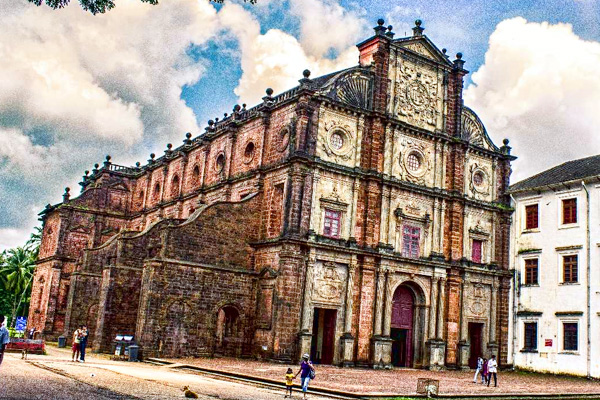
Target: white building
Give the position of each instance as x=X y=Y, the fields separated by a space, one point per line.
x=555 y=257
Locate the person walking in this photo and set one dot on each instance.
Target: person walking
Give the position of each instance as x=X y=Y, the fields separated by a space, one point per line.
x=289 y=382
x=478 y=370
x=493 y=369
x=76 y=343
x=4 y=337
x=484 y=371
x=307 y=372
x=83 y=343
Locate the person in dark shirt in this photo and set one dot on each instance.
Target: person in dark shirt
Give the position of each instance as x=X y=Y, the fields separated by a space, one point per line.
x=307 y=371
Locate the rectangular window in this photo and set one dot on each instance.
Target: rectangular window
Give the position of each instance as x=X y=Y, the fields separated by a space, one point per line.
x=477 y=250
x=531 y=271
x=569 y=211
x=332 y=224
x=531 y=336
x=531 y=216
x=411 y=236
x=570 y=336
x=570 y=269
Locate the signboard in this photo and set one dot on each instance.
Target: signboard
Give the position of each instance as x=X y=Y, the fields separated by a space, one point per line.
x=21 y=324
x=548 y=342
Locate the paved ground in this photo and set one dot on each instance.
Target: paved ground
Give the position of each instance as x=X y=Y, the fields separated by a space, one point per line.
x=404 y=381
x=56 y=377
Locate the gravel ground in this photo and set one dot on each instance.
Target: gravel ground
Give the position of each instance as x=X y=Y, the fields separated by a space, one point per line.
x=56 y=377
x=404 y=381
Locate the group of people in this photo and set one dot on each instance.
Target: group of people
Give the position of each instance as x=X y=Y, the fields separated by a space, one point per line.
x=80 y=337
x=487 y=369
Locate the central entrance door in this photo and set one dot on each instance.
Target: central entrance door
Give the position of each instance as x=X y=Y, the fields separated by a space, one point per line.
x=475 y=333
x=402 y=327
x=323 y=342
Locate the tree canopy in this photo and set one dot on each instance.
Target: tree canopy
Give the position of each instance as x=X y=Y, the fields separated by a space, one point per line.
x=17 y=267
x=101 y=6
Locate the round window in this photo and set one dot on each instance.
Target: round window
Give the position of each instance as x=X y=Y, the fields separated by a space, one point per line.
x=249 y=152
x=413 y=162
x=220 y=163
x=478 y=178
x=336 y=140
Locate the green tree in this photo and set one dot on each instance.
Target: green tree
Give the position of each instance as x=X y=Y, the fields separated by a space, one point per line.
x=101 y=6
x=16 y=273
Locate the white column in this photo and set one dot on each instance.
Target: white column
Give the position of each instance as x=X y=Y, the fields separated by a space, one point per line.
x=387 y=317
x=379 y=302
x=433 y=307
x=308 y=289
x=441 y=309
x=350 y=295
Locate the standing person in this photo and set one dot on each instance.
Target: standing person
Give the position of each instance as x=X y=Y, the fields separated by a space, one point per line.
x=493 y=369
x=76 y=343
x=484 y=371
x=289 y=382
x=4 y=337
x=307 y=372
x=31 y=333
x=478 y=370
x=83 y=343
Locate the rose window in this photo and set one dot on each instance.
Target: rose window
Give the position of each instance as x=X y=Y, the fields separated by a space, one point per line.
x=413 y=162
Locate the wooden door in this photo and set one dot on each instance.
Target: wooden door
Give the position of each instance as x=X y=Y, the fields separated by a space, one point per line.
x=328 y=336
x=402 y=326
x=475 y=334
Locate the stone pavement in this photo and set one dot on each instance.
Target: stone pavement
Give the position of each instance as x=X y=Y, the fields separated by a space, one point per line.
x=55 y=376
x=404 y=381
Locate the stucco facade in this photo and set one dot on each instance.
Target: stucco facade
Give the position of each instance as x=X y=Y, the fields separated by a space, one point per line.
x=562 y=297
x=361 y=217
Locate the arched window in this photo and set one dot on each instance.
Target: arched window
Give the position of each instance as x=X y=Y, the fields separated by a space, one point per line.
x=175 y=186
x=196 y=175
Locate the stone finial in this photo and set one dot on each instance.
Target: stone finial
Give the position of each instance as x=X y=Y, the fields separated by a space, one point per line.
x=168 y=150
x=137 y=164
x=459 y=62
x=225 y=115
x=188 y=139
x=107 y=162
x=306 y=73
x=95 y=170
x=244 y=107
x=389 y=32
x=305 y=82
x=268 y=99
x=236 y=108
x=67 y=195
x=151 y=160
x=379 y=29
x=505 y=148
x=86 y=175
x=418 y=29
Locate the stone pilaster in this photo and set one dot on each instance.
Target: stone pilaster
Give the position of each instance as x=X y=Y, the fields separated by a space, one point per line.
x=347 y=340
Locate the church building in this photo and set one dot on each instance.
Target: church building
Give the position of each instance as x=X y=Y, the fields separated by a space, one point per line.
x=361 y=217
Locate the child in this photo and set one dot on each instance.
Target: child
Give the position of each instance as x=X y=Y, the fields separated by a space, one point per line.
x=289 y=378
x=484 y=375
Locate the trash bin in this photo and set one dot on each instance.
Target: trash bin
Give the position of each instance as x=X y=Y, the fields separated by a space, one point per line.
x=62 y=341
x=133 y=352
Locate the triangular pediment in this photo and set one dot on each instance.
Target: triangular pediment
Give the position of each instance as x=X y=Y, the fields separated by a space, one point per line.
x=424 y=47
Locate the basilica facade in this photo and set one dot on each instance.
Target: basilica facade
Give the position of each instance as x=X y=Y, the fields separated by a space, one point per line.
x=360 y=217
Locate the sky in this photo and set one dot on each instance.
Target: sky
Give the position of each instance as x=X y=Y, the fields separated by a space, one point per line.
x=75 y=87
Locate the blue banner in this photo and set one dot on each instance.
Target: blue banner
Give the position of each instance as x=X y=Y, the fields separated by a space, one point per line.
x=21 y=324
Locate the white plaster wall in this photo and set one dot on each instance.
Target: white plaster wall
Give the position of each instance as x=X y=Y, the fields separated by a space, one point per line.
x=551 y=295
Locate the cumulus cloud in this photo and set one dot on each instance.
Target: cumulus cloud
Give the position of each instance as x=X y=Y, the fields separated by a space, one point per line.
x=539 y=87
x=276 y=59
x=76 y=86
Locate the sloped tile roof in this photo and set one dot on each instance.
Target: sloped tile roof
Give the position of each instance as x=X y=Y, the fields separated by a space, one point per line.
x=569 y=171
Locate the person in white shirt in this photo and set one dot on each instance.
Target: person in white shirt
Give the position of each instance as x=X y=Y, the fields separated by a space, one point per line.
x=4 y=337
x=479 y=370
x=493 y=369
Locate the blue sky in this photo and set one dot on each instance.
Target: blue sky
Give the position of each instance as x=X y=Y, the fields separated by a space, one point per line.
x=74 y=87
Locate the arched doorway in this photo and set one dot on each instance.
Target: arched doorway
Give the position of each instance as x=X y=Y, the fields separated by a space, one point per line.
x=402 y=326
x=228 y=341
